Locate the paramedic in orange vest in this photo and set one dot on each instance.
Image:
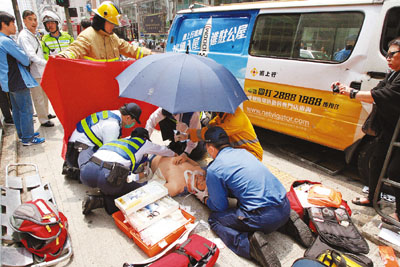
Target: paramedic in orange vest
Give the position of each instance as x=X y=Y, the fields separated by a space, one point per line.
x=238 y=127
x=99 y=43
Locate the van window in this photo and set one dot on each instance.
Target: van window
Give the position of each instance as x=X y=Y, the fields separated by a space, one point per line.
x=391 y=28
x=308 y=36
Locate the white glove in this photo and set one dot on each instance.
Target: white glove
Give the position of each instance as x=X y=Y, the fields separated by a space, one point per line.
x=201 y=195
x=133 y=177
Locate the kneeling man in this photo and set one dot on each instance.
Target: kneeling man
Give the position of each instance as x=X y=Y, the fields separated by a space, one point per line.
x=262 y=203
x=109 y=167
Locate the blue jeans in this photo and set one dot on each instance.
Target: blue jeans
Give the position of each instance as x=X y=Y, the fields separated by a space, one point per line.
x=94 y=175
x=22 y=110
x=233 y=226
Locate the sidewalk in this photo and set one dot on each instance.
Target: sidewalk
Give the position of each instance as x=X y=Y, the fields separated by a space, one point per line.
x=97 y=241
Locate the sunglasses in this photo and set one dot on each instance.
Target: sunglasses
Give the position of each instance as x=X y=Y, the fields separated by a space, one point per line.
x=391 y=54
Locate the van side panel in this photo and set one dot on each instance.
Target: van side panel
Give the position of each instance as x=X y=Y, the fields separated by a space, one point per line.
x=230 y=31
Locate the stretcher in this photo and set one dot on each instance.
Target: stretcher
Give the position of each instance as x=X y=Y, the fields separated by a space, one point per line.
x=10 y=198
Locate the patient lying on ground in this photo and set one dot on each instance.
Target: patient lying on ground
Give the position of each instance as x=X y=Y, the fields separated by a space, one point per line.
x=164 y=169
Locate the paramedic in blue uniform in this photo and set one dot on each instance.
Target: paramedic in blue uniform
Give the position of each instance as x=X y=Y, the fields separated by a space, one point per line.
x=262 y=205
x=95 y=130
x=181 y=122
x=109 y=166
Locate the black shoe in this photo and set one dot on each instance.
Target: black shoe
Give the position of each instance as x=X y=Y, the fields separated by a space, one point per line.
x=92 y=202
x=297 y=229
x=48 y=124
x=262 y=252
x=9 y=121
x=71 y=172
x=51 y=116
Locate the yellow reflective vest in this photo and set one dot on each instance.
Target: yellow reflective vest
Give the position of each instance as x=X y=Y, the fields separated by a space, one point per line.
x=101 y=46
x=239 y=129
x=52 y=45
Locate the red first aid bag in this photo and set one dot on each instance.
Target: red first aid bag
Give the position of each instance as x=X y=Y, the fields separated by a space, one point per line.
x=295 y=203
x=40 y=227
x=195 y=251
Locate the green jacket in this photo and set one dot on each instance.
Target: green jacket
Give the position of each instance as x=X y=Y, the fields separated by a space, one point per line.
x=53 y=46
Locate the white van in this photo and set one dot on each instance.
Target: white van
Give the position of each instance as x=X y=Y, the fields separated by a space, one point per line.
x=286 y=54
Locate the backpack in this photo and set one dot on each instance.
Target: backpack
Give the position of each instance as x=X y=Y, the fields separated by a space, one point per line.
x=335 y=228
x=195 y=251
x=40 y=227
x=296 y=205
x=322 y=251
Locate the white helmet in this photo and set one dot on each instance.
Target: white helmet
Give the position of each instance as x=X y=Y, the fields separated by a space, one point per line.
x=48 y=16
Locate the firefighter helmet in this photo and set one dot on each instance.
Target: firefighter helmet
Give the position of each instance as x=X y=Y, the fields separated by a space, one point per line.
x=108 y=11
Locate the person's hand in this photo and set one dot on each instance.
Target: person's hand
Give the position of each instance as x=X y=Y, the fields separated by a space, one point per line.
x=57 y=56
x=343 y=89
x=179 y=159
x=181 y=127
x=181 y=137
x=202 y=195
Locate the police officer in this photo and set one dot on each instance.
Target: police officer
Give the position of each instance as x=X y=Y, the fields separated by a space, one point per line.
x=109 y=167
x=55 y=41
x=95 y=130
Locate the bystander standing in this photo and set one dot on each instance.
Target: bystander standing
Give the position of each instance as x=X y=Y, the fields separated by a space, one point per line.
x=29 y=41
x=16 y=79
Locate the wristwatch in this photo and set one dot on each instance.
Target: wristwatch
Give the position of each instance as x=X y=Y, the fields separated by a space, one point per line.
x=353 y=93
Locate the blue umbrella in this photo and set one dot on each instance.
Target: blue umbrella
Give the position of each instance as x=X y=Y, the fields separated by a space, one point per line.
x=181 y=83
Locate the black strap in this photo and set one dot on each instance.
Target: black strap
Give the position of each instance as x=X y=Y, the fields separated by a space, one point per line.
x=107 y=165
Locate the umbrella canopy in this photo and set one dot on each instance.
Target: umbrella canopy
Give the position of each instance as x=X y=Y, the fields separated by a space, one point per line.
x=181 y=83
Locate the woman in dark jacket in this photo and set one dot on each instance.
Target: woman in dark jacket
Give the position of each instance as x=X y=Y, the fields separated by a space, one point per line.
x=386 y=96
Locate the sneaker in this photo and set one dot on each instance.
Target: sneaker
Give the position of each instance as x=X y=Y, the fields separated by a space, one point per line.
x=35 y=134
x=262 y=252
x=51 y=116
x=35 y=141
x=91 y=202
x=48 y=124
x=297 y=229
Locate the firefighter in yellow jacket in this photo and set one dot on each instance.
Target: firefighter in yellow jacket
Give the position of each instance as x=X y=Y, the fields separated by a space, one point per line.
x=99 y=43
x=238 y=127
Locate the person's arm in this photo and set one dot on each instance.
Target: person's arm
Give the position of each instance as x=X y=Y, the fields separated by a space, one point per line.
x=153 y=120
x=17 y=52
x=30 y=45
x=78 y=49
x=217 y=194
x=132 y=51
x=151 y=148
x=194 y=124
x=364 y=96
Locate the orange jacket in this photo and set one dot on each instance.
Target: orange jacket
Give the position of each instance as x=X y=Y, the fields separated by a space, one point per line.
x=239 y=129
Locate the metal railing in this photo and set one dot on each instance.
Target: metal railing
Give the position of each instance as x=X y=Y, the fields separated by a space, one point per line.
x=383 y=180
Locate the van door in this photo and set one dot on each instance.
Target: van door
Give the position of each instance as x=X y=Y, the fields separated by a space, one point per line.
x=294 y=56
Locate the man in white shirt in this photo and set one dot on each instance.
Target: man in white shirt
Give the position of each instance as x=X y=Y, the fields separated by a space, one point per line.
x=180 y=122
x=29 y=41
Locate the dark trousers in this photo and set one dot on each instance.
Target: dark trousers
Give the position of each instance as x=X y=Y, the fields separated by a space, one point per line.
x=5 y=105
x=393 y=170
x=234 y=225
x=94 y=175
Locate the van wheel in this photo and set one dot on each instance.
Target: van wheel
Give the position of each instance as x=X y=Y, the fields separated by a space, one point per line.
x=364 y=158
